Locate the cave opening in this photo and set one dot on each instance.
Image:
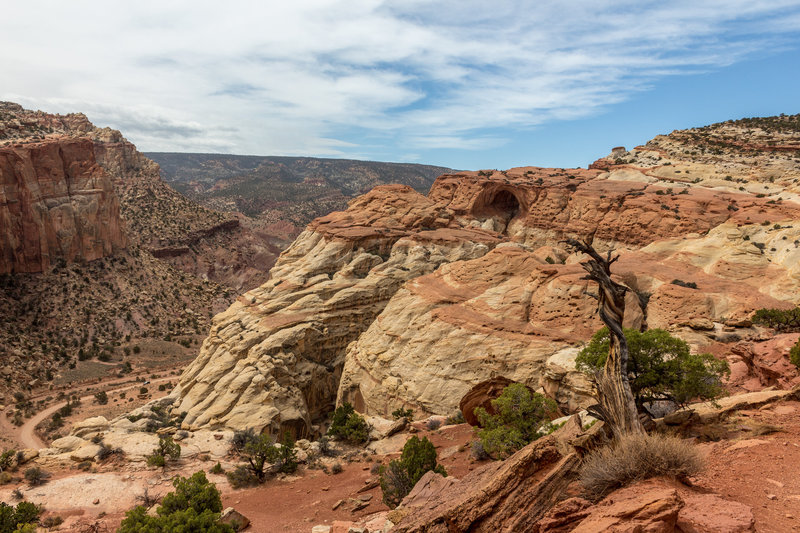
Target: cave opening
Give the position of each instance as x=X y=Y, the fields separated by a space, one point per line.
x=505 y=204
x=501 y=205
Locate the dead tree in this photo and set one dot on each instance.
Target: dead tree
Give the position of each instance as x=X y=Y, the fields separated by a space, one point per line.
x=616 y=406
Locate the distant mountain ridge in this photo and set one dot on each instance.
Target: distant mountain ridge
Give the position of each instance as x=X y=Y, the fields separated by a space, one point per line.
x=284 y=189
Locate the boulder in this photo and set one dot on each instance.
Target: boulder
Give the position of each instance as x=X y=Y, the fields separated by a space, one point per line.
x=709 y=513
x=67 y=444
x=91 y=426
x=649 y=506
x=86 y=452
x=234 y=518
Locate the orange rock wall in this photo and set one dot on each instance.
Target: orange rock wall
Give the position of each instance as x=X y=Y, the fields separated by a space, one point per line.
x=56 y=202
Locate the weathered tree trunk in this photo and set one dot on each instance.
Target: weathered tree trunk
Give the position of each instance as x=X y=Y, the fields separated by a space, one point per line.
x=616 y=403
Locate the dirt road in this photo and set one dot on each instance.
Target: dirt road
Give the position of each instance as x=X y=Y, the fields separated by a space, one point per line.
x=25 y=435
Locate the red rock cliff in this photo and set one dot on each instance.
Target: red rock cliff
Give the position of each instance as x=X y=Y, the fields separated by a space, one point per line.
x=56 y=202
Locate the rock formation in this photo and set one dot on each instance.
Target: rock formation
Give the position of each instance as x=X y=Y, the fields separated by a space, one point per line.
x=275 y=357
x=414 y=300
x=56 y=203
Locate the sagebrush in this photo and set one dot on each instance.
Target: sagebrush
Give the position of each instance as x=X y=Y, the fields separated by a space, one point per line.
x=637 y=457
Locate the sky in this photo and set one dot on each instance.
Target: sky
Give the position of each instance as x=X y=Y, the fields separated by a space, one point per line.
x=463 y=84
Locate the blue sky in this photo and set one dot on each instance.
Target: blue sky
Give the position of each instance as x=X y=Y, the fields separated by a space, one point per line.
x=465 y=84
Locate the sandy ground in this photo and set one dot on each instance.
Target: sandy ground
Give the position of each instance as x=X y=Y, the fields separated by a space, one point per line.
x=761 y=471
x=756 y=461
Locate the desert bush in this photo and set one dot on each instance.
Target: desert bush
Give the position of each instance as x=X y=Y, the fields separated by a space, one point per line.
x=166 y=449
x=52 y=521
x=660 y=367
x=637 y=457
x=195 y=505
x=477 y=451
x=399 y=413
x=455 y=418
x=348 y=425
x=101 y=397
x=520 y=418
x=241 y=437
x=242 y=476
x=107 y=451
x=286 y=457
x=7 y=459
x=433 y=424
x=22 y=518
x=780 y=319
x=36 y=476
x=325 y=445
x=400 y=476
x=217 y=469
x=336 y=468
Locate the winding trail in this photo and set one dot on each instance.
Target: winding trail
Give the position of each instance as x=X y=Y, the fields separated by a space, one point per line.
x=25 y=435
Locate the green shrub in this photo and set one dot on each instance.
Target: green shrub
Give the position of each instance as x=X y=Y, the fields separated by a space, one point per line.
x=7 y=459
x=399 y=413
x=241 y=437
x=242 y=476
x=455 y=418
x=259 y=452
x=637 y=457
x=101 y=397
x=36 y=476
x=400 y=476
x=217 y=469
x=779 y=319
x=520 y=418
x=286 y=457
x=660 y=367
x=348 y=425
x=167 y=449
x=195 y=505
x=22 y=518
x=794 y=354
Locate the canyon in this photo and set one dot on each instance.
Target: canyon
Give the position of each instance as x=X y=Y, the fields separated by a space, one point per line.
x=408 y=301
x=411 y=300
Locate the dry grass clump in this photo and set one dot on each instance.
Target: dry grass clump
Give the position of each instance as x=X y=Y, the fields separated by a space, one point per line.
x=637 y=457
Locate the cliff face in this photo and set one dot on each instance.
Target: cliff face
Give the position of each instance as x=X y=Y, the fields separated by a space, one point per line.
x=273 y=360
x=405 y=300
x=56 y=202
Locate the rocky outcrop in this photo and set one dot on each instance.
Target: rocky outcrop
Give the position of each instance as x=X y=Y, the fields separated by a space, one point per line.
x=273 y=360
x=56 y=203
x=414 y=300
x=655 y=505
x=510 y=495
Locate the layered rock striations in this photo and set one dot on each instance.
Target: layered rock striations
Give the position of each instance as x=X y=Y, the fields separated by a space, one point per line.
x=223 y=247
x=274 y=359
x=56 y=203
x=407 y=300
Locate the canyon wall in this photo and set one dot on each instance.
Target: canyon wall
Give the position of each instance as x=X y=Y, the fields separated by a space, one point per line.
x=56 y=202
x=406 y=300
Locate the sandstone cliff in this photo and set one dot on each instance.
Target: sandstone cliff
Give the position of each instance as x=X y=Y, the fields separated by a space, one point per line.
x=413 y=300
x=56 y=203
x=275 y=357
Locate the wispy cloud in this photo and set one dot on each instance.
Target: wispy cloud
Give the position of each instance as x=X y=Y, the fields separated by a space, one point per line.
x=300 y=77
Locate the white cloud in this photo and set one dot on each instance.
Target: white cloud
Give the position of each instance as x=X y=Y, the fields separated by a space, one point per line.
x=312 y=77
